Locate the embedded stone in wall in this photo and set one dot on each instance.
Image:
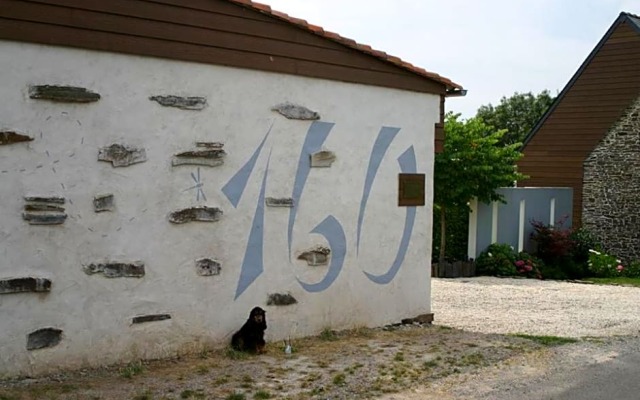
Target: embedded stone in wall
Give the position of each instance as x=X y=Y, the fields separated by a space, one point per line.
x=209 y=154
x=11 y=137
x=21 y=285
x=116 y=269
x=44 y=210
x=208 y=267
x=278 y=299
x=44 y=219
x=317 y=256
x=43 y=338
x=323 y=158
x=150 y=318
x=279 y=202
x=184 y=103
x=122 y=156
x=201 y=214
x=43 y=199
x=103 y=202
x=210 y=145
x=66 y=94
x=293 y=111
x=43 y=207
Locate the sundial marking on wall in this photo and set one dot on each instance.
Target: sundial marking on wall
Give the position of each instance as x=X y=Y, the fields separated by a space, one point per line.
x=198 y=186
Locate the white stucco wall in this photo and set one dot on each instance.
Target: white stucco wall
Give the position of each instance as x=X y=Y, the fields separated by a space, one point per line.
x=95 y=312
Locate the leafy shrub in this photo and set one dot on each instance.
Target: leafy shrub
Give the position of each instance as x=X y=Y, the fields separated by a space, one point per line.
x=564 y=252
x=497 y=260
x=632 y=270
x=552 y=272
x=603 y=265
x=554 y=243
x=583 y=241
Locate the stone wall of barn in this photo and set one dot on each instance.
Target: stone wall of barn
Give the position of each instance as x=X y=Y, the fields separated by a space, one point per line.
x=149 y=204
x=611 y=197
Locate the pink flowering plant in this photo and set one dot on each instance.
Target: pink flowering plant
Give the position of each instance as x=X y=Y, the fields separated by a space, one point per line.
x=527 y=265
x=604 y=265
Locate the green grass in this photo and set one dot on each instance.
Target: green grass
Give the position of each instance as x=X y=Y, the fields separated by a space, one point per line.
x=339 y=379
x=624 y=281
x=236 y=396
x=132 y=369
x=233 y=354
x=146 y=395
x=202 y=369
x=328 y=335
x=472 y=359
x=262 y=394
x=547 y=340
x=186 y=394
x=429 y=364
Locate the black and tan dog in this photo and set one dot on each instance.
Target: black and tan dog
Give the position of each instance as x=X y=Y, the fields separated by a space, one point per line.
x=250 y=337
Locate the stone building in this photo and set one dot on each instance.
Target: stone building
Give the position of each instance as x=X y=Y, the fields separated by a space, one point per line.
x=589 y=140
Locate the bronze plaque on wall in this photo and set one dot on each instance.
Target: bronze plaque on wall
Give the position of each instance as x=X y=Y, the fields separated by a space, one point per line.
x=411 y=189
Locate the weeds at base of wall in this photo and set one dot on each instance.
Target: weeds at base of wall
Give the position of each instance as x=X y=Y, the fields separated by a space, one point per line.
x=146 y=395
x=357 y=363
x=328 y=334
x=233 y=354
x=132 y=369
x=262 y=394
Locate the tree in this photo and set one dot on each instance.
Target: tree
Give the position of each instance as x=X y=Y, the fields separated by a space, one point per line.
x=517 y=114
x=473 y=164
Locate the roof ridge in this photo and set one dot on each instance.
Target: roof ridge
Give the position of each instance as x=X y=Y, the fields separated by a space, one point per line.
x=628 y=14
x=363 y=48
x=576 y=75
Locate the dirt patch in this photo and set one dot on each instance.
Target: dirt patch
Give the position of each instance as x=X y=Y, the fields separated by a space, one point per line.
x=362 y=363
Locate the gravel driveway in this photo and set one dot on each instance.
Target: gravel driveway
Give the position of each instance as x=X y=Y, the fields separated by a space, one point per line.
x=495 y=305
x=591 y=369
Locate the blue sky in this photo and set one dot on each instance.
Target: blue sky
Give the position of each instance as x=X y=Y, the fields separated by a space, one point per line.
x=492 y=47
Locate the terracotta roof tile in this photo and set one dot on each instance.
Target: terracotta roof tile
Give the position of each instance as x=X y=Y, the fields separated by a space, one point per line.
x=279 y=14
x=298 y=21
x=317 y=30
x=349 y=42
x=263 y=7
x=395 y=60
x=331 y=35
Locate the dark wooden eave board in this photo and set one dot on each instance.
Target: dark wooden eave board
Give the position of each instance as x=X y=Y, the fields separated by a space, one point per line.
x=92 y=24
